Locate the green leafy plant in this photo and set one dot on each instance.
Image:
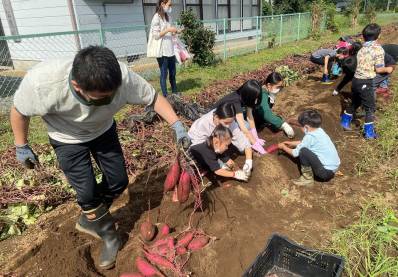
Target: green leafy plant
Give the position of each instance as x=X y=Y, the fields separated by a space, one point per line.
x=331 y=25
x=26 y=194
x=200 y=40
x=289 y=75
x=266 y=8
x=316 y=18
x=15 y=219
x=370 y=15
x=272 y=40
x=353 y=12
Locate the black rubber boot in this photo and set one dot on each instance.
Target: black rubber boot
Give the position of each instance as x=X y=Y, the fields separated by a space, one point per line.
x=85 y=226
x=102 y=223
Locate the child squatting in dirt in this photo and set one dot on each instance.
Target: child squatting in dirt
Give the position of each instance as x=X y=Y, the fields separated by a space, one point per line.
x=263 y=114
x=216 y=148
x=245 y=99
x=317 y=154
x=223 y=115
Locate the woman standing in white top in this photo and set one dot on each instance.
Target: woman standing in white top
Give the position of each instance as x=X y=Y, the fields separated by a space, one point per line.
x=161 y=28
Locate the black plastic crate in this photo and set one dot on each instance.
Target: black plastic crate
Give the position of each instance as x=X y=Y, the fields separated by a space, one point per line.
x=286 y=258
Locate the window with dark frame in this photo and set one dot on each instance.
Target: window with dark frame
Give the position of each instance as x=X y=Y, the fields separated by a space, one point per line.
x=149 y=7
x=196 y=6
x=211 y=9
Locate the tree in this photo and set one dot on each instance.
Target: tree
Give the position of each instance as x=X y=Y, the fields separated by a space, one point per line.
x=354 y=12
x=267 y=8
x=295 y=6
x=290 y=6
x=200 y=40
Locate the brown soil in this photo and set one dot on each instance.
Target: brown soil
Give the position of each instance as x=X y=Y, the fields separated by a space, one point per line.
x=241 y=216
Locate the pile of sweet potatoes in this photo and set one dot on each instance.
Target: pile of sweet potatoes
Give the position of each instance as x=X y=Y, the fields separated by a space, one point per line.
x=164 y=253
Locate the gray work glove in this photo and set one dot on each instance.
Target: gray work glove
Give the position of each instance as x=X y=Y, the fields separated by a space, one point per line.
x=26 y=156
x=181 y=134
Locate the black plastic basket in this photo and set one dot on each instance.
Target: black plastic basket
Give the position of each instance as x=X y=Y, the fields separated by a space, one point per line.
x=294 y=260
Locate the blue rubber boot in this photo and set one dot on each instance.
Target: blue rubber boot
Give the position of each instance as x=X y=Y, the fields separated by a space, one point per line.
x=345 y=121
x=326 y=80
x=369 y=131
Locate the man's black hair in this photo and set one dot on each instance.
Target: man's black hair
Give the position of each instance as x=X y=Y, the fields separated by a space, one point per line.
x=371 y=32
x=311 y=118
x=96 y=68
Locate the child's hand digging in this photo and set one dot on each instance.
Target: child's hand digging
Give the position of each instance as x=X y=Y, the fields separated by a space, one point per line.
x=241 y=175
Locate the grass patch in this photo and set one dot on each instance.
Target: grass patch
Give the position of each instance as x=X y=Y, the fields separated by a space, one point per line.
x=370 y=246
x=385 y=147
x=37 y=135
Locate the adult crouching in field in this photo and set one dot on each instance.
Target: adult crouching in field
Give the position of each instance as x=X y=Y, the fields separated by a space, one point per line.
x=160 y=44
x=78 y=99
x=245 y=99
x=326 y=58
x=263 y=114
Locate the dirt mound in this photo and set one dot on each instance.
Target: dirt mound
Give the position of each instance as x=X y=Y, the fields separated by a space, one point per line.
x=242 y=216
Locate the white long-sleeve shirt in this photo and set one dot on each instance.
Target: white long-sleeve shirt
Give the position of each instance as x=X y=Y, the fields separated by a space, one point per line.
x=202 y=128
x=158 y=25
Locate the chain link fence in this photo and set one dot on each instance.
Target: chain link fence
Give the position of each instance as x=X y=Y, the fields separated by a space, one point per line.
x=234 y=36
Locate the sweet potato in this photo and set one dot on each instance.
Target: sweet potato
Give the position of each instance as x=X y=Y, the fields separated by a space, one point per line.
x=169 y=240
x=185 y=239
x=162 y=250
x=147 y=231
x=181 y=250
x=146 y=268
x=184 y=187
x=272 y=149
x=164 y=230
x=198 y=243
x=159 y=261
x=172 y=177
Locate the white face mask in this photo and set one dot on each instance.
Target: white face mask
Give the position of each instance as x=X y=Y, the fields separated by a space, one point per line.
x=167 y=10
x=305 y=130
x=275 y=91
x=272 y=94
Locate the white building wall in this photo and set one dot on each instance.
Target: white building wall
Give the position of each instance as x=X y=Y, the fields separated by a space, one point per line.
x=93 y=14
x=39 y=16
